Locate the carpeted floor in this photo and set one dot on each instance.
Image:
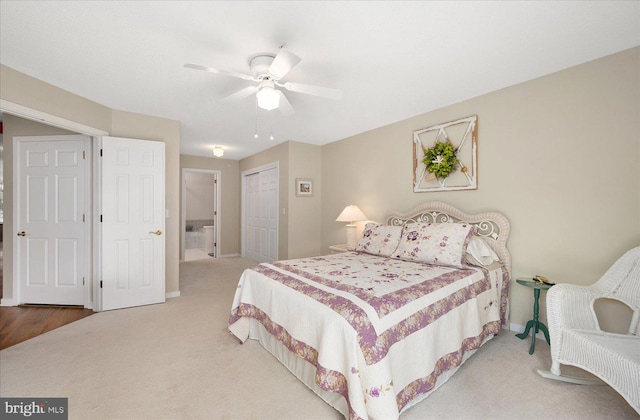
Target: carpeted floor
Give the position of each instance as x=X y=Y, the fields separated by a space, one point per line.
x=177 y=361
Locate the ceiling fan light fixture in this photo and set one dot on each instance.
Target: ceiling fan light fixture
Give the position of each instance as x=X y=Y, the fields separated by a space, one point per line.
x=267 y=97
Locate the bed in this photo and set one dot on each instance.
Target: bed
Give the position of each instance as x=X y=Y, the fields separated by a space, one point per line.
x=375 y=331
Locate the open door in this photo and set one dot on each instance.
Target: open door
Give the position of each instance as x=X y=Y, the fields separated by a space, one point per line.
x=132 y=222
x=52 y=219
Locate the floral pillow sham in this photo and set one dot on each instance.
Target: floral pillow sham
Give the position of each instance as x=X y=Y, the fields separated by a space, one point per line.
x=435 y=243
x=379 y=239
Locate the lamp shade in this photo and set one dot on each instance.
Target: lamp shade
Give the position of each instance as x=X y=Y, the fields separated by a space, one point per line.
x=350 y=214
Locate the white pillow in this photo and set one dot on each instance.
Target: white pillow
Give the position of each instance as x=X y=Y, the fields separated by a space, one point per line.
x=435 y=243
x=379 y=239
x=480 y=253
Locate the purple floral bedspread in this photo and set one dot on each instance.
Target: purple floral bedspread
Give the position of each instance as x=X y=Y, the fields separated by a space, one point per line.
x=379 y=331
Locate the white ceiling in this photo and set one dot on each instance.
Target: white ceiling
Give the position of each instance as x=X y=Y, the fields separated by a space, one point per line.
x=392 y=60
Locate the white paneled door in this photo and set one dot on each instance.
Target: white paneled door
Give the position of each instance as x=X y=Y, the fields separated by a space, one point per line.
x=261 y=215
x=52 y=219
x=133 y=222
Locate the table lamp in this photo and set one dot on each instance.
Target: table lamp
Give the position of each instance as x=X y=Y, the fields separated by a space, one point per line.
x=351 y=214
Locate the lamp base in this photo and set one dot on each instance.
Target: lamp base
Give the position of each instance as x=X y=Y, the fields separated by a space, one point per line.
x=352 y=240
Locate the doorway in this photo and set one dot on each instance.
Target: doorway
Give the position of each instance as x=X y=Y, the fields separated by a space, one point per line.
x=94 y=282
x=59 y=258
x=200 y=214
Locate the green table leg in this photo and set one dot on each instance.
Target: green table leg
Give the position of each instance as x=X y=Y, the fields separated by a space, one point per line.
x=534 y=324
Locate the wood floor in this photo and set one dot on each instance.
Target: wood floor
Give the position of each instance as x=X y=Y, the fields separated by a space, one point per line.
x=20 y=323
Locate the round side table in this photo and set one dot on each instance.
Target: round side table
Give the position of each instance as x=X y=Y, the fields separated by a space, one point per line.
x=535 y=325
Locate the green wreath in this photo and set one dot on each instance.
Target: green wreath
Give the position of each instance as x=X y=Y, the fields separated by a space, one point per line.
x=441 y=159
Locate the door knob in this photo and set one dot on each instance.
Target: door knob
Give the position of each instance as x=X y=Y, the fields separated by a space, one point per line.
x=157 y=232
x=23 y=233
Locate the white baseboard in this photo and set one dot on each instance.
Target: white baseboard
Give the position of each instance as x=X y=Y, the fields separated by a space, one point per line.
x=222 y=256
x=519 y=329
x=7 y=302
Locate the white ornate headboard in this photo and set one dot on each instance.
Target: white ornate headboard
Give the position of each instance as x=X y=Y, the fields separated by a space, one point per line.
x=492 y=226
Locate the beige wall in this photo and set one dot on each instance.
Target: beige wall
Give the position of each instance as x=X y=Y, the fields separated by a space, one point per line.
x=229 y=198
x=32 y=93
x=296 y=160
x=304 y=212
x=22 y=89
x=198 y=189
x=559 y=156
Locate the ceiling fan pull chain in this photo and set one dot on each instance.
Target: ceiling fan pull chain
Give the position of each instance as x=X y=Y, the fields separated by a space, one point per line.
x=271 y=126
x=255 y=136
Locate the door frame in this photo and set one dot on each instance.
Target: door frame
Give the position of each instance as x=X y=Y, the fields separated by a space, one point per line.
x=88 y=230
x=183 y=209
x=75 y=127
x=243 y=190
x=95 y=194
x=96 y=202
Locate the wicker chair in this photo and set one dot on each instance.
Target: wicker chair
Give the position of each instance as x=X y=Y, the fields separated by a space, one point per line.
x=576 y=338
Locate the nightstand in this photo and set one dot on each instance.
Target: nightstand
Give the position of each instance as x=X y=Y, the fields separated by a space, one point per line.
x=534 y=325
x=336 y=249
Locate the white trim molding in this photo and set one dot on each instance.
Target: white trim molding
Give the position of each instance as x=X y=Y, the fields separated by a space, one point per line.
x=7 y=302
x=55 y=121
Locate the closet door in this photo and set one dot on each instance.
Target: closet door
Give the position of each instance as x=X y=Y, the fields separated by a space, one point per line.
x=261 y=215
x=252 y=219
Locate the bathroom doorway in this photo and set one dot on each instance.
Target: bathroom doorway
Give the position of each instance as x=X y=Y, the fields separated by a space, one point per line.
x=200 y=214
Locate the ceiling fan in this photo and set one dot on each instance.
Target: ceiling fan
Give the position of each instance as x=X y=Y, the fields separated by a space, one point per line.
x=267 y=71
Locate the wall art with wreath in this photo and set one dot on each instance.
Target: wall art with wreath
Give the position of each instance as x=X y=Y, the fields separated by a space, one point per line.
x=445 y=156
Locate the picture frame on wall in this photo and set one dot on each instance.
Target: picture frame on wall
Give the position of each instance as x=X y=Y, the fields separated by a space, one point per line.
x=445 y=156
x=304 y=187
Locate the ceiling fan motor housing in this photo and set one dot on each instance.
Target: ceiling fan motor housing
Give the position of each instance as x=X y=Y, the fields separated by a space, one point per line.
x=260 y=65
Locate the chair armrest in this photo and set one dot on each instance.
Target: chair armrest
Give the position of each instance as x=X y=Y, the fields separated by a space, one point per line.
x=568 y=307
x=571 y=306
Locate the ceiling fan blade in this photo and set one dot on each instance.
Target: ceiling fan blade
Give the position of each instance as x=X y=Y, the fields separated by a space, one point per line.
x=285 y=106
x=220 y=71
x=335 y=94
x=241 y=94
x=283 y=63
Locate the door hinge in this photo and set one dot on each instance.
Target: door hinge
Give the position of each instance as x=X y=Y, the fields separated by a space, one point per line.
x=100 y=152
x=84 y=155
x=83 y=219
x=215 y=213
x=100 y=218
x=83 y=281
x=215 y=244
x=215 y=181
x=101 y=284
